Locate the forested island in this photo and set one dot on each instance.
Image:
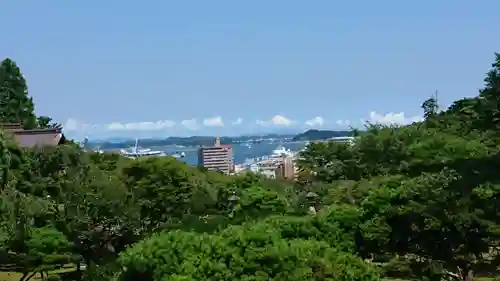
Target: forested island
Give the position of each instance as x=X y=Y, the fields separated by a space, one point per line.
x=193 y=141
x=415 y=202
x=309 y=135
x=313 y=134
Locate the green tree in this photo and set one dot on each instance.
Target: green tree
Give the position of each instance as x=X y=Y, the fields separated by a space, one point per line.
x=15 y=104
x=329 y=161
x=88 y=202
x=442 y=218
x=257 y=202
x=97 y=214
x=478 y=114
x=28 y=247
x=166 y=190
x=239 y=253
x=5 y=160
x=489 y=99
x=431 y=106
x=45 y=122
x=11 y=159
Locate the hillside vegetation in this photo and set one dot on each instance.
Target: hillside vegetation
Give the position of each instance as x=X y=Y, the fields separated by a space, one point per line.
x=412 y=202
x=313 y=134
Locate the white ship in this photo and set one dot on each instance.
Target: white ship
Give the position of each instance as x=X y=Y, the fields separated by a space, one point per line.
x=349 y=140
x=135 y=151
x=281 y=151
x=179 y=155
x=266 y=165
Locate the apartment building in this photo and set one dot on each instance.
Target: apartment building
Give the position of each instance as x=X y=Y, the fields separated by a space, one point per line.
x=217 y=157
x=286 y=169
x=265 y=167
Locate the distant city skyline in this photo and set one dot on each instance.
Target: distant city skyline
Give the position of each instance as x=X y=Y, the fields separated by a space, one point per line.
x=174 y=68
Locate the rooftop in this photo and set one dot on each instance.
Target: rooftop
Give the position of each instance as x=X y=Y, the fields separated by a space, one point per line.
x=35 y=137
x=217 y=144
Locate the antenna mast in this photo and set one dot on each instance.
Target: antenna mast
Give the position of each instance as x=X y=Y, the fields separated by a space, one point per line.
x=438 y=108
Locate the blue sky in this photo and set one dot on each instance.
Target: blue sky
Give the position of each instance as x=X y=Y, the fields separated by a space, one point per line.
x=161 y=68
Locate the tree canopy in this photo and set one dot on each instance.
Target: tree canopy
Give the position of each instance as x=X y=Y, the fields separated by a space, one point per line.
x=15 y=104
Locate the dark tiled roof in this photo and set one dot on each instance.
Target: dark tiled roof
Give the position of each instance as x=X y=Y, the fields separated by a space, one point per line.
x=38 y=131
x=11 y=127
x=30 y=139
x=35 y=137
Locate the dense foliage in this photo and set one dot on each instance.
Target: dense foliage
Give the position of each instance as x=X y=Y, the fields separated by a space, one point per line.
x=420 y=201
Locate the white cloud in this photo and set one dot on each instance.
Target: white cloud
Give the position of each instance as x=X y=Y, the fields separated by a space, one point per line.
x=315 y=122
x=281 y=120
x=238 y=121
x=79 y=127
x=115 y=126
x=277 y=120
x=141 y=126
x=343 y=123
x=71 y=124
x=392 y=118
x=213 y=122
x=190 y=124
x=260 y=122
x=76 y=125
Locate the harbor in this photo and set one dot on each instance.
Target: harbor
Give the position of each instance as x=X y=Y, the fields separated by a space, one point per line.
x=242 y=152
x=272 y=159
x=279 y=163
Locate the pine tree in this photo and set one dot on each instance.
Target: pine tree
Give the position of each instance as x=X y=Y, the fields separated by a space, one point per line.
x=431 y=106
x=491 y=91
x=15 y=104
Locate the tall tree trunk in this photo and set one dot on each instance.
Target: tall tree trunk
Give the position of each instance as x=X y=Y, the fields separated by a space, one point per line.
x=24 y=276
x=31 y=276
x=468 y=275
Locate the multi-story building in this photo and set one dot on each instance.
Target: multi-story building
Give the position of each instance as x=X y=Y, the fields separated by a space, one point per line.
x=218 y=157
x=286 y=168
x=279 y=164
x=265 y=167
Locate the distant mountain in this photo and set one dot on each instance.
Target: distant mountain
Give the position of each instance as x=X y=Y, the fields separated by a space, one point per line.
x=118 y=143
x=278 y=131
x=184 y=141
x=312 y=135
x=116 y=140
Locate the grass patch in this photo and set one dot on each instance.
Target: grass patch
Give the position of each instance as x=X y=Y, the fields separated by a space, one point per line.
x=10 y=276
x=475 y=279
x=15 y=276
